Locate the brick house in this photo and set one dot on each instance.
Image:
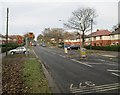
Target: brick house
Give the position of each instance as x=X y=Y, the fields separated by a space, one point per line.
x=16 y=39
x=2 y=39
x=115 y=37
x=99 y=38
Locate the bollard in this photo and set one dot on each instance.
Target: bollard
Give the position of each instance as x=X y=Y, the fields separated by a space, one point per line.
x=65 y=49
x=83 y=52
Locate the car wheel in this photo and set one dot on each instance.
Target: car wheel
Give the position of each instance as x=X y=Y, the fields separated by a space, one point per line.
x=12 y=53
x=25 y=52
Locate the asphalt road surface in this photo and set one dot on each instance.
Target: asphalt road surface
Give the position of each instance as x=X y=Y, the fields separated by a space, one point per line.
x=75 y=75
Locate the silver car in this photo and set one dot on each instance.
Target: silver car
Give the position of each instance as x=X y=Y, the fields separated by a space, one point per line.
x=19 y=50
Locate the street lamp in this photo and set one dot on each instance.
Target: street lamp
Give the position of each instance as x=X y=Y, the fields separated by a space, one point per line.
x=65 y=49
x=91 y=33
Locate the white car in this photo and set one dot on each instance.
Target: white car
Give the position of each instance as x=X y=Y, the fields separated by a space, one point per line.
x=19 y=50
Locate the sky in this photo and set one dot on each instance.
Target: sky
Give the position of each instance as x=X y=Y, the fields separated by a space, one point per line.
x=36 y=15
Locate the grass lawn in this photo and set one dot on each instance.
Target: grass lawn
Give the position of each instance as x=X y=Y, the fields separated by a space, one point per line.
x=23 y=74
x=34 y=77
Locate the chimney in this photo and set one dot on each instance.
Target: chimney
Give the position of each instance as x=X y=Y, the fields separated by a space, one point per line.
x=97 y=29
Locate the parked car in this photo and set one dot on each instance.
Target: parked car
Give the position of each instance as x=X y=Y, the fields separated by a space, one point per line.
x=67 y=46
x=61 y=46
x=43 y=45
x=34 y=44
x=74 y=46
x=18 y=50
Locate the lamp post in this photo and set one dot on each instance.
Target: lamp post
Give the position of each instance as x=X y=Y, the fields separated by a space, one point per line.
x=91 y=34
x=65 y=49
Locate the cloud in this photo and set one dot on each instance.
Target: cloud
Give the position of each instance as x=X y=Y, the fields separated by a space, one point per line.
x=27 y=16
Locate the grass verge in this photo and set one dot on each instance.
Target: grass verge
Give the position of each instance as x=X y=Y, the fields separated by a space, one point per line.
x=34 y=77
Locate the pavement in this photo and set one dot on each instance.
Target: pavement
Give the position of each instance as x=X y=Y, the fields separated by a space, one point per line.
x=107 y=53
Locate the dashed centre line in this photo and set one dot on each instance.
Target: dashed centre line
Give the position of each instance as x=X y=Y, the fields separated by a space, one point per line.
x=116 y=74
x=113 y=70
x=81 y=62
x=62 y=56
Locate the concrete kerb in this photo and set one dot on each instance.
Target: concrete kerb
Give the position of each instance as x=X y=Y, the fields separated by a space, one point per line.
x=50 y=80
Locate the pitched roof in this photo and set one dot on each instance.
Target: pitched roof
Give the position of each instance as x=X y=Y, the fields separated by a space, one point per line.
x=100 y=33
x=117 y=31
x=2 y=36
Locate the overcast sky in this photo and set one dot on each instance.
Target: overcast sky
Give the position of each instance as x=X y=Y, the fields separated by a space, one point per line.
x=34 y=16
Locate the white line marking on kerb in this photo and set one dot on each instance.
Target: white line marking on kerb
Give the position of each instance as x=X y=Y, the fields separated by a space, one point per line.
x=81 y=62
x=35 y=54
x=39 y=61
x=116 y=74
x=110 y=64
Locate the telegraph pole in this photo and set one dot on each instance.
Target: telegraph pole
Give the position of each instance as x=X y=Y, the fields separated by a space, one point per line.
x=91 y=34
x=7 y=32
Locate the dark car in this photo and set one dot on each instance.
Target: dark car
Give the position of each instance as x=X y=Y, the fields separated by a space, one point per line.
x=75 y=46
x=43 y=45
x=67 y=46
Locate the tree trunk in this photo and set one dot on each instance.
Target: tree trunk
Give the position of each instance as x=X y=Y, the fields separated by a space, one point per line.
x=83 y=39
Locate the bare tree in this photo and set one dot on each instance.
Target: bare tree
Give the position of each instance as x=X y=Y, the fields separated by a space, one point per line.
x=56 y=33
x=82 y=20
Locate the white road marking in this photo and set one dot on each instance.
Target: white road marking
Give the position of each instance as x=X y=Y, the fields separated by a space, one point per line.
x=62 y=56
x=113 y=70
x=109 y=55
x=81 y=62
x=101 y=60
x=53 y=53
x=116 y=74
x=101 y=88
x=110 y=64
x=71 y=86
x=94 y=63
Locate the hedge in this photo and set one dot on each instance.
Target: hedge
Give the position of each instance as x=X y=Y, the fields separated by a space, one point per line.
x=105 y=48
x=9 y=46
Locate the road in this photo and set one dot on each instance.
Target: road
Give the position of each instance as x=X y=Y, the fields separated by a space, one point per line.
x=74 y=74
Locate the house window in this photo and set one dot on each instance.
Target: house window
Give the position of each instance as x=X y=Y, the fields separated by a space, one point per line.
x=100 y=44
x=94 y=38
x=94 y=44
x=113 y=36
x=100 y=37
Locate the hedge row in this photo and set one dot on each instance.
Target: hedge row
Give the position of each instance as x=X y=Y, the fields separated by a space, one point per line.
x=9 y=46
x=105 y=48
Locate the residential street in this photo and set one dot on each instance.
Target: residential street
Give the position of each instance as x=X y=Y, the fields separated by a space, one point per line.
x=70 y=70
